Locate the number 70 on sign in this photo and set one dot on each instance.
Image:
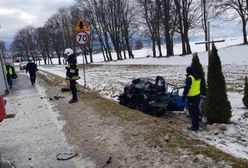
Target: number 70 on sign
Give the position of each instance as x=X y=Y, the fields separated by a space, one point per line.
x=82 y=38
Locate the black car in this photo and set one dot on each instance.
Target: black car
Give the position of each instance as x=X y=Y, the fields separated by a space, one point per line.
x=151 y=96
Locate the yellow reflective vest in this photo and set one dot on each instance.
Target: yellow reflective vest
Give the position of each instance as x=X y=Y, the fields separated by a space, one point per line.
x=8 y=70
x=195 y=87
x=72 y=73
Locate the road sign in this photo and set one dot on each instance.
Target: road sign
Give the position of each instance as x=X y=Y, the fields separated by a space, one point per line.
x=82 y=38
x=81 y=26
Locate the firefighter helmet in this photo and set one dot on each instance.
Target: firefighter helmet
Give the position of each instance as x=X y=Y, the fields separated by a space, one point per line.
x=68 y=52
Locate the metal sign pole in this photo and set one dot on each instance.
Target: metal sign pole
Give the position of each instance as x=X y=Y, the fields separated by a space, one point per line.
x=84 y=55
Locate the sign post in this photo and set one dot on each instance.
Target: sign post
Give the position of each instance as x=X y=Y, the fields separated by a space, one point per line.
x=82 y=39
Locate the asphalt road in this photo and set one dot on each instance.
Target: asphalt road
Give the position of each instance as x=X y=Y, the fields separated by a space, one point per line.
x=34 y=137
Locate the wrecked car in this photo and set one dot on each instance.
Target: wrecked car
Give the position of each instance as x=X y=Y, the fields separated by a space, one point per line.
x=151 y=96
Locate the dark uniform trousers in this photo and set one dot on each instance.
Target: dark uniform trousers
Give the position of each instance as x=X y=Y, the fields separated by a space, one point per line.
x=32 y=76
x=73 y=89
x=194 y=110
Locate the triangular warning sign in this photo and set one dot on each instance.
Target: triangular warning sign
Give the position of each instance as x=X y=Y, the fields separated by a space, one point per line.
x=81 y=26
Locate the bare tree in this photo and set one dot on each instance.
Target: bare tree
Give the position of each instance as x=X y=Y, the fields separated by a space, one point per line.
x=113 y=23
x=94 y=13
x=168 y=21
x=240 y=7
x=158 y=14
x=208 y=12
x=56 y=35
x=204 y=20
x=150 y=14
x=128 y=22
x=101 y=18
x=188 y=12
x=43 y=43
x=2 y=49
x=24 y=42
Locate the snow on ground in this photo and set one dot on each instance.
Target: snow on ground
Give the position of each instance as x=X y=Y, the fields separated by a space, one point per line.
x=110 y=78
x=233 y=55
x=234 y=138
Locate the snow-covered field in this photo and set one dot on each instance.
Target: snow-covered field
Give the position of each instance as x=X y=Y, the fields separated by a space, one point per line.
x=110 y=78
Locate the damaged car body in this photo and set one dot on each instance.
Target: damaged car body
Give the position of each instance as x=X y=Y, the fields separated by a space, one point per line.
x=151 y=96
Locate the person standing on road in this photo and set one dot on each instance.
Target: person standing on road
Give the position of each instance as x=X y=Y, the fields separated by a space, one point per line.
x=71 y=72
x=192 y=94
x=9 y=74
x=32 y=68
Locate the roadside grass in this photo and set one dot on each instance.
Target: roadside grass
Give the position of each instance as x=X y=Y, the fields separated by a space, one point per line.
x=217 y=155
x=159 y=132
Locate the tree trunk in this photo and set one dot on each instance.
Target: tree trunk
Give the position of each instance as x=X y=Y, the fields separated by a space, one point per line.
x=130 y=53
x=244 y=30
x=50 y=59
x=169 y=44
x=153 y=47
x=166 y=21
x=90 y=52
x=206 y=39
x=123 y=46
x=183 y=44
x=204 y=20
x=187 y=44
x=108 y=52
x=159 y=44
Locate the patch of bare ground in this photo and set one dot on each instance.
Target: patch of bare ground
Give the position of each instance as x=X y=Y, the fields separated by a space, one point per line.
x=106 y=134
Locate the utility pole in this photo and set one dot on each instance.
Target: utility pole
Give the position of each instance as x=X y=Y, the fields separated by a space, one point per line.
x=208 y=42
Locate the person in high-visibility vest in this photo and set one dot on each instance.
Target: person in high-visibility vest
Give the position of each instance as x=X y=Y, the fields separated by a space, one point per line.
x=72 y=72
x=9 y=74
x=192 y=94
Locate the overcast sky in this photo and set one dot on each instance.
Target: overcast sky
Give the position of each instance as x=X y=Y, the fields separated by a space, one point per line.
x=16 y=14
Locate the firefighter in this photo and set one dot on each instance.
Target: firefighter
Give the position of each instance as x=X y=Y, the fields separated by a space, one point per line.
x=71 y=72
x=192 y=94
x=9 y=74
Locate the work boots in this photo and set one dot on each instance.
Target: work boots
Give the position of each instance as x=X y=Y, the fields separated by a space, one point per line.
x=73 y=101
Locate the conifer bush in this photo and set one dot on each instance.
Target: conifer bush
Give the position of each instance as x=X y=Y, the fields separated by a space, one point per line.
x=197 y=67
x=217 y=106
x=245 y=98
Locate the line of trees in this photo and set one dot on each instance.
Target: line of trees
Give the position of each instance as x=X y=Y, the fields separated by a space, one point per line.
x=114 y=23
x=2 y=49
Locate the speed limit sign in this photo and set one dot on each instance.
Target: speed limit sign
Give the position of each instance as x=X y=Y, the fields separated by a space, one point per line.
x=82 y=38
